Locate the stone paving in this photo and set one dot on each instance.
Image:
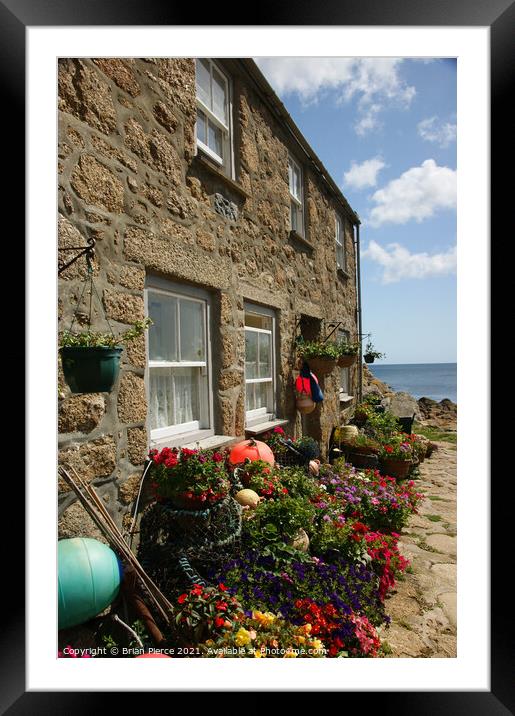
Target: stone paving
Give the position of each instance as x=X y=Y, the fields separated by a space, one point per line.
x=423 y=607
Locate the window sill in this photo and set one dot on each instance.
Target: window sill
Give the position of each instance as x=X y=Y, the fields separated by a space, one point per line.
x=206 y=163
x=345 y=398
x=213 y=442
x=294 y=236
x=343 y=274
x=265 y=427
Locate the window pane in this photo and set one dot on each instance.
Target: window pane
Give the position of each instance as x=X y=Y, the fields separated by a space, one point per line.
x=163 y=334
x=262 y=395
x=265 y=355
x=219 y=97
x=203 y=82
x=250 y=402
x=340 y=257
x=192 y=330
x=214 y=139
x=186 y=385
x=258 y=320
x=161 y=398
x=251 y=355
x=201 y=127
x=344 y=380
x=293 y=215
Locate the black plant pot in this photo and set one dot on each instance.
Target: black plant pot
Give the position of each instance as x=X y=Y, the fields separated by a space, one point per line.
x=90 y=370
x=368 y=358
x=358 y=459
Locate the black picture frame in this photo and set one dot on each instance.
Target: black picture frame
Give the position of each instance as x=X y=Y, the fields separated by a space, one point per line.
x=15 y=17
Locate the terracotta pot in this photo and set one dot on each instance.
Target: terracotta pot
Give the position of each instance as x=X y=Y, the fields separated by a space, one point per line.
x=396 y=468
x=321 y=366
x=305 y=404
x=346 y=361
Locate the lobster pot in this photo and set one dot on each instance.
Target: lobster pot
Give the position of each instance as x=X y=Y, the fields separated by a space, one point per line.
x=289 y=458
x=89 y=577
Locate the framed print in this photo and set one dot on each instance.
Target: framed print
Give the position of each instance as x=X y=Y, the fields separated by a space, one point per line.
x=170 y=208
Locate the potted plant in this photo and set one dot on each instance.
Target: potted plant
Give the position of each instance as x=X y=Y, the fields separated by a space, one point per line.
x=397 y=456
x=363 y=451
x=189 y=479
x=91 y=360
x=371 y=354
x=321 y=356
x=361 y=413
x=347 y=353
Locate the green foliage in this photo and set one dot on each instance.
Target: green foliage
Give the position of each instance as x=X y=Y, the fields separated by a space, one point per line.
x=298 y=483
x=338 y=535
x=431 y=433
x=381 y=426
x=279 y=520
x=328 y=349
x=95 y=339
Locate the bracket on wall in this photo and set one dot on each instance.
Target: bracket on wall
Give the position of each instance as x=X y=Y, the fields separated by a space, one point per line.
x=331 y=324
x=87 y=251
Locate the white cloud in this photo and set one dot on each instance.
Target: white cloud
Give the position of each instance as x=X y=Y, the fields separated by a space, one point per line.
x=434 y=130
x=364 y=174
x=398 y=263
x=373 y=82
x=416 y=194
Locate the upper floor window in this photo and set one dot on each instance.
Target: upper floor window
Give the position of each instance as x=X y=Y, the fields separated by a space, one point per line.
x=178 y=366
x=296 y=196
x=214 y=113
x=341 y=259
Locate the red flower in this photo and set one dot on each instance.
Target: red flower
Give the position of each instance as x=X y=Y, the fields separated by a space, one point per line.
x=222 y=587
x=182 y=598
x=218 y=457
x=279 y=431
x=219 y=621
x=284 y=490
x=221 y=606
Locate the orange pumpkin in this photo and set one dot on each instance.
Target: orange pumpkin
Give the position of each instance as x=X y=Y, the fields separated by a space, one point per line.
x=251 y=450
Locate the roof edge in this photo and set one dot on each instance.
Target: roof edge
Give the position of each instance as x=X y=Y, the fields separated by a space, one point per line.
x=270 y=96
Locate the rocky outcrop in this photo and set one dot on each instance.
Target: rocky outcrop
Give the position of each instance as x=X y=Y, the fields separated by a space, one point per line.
x=441 y=415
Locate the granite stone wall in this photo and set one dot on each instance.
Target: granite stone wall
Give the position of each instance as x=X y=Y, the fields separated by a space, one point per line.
x=129 y=177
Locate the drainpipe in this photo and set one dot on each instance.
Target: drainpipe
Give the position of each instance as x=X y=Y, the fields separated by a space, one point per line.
x=358 y=312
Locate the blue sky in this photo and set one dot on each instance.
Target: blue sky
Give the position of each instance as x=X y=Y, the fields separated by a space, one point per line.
x=386 y=131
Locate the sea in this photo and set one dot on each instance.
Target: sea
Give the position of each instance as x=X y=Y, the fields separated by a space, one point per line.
x=421 y=380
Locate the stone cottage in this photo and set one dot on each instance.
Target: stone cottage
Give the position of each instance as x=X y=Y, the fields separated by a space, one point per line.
x=210 y=213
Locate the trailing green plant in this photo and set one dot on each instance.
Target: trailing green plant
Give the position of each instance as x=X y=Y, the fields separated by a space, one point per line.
x=95 y=339
x=318 y=349
x=346 y=348
x=370 y=351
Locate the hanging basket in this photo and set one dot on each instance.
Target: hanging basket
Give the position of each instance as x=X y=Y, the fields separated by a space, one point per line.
x=90 y=370
x=369 y=358
x=321 y=366
x=346 y=361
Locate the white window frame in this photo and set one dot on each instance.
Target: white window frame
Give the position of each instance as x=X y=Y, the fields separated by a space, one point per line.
x=296 y=202
x=197 y=429
x=344 y=335
x=267 y=413
x=225 y=162
x=340 y=243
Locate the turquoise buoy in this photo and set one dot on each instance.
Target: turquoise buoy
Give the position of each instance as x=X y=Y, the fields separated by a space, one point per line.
x=89 y=576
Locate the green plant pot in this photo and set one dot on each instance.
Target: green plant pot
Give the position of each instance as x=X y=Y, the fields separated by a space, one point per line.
x=90 y=370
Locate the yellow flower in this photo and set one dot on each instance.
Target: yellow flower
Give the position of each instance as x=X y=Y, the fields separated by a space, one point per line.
x=259 y=654
x=306 y=628
x=317 y=644
x=242 y=637
x=264 y=618
x=301 y=639
x=290 y=654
